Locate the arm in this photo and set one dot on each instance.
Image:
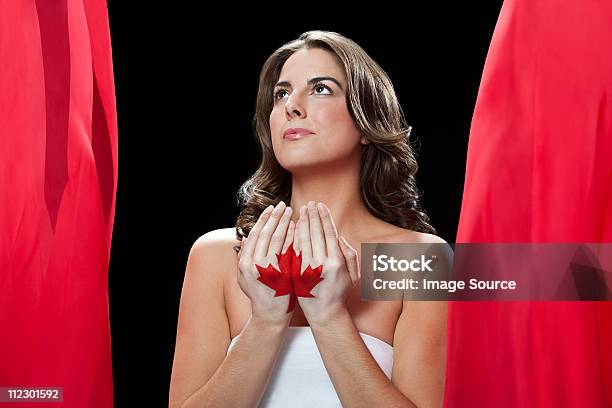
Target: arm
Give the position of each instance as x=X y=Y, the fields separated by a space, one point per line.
x=201 y=374
x=356 y=376
x=419 y=339
x=418 y=359
x=419 y=355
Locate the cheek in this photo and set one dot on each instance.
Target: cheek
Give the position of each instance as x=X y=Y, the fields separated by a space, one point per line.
x=276 y=124
x=338 y=124
x=275 y=121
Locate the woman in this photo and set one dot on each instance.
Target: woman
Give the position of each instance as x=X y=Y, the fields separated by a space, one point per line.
x=332 y=132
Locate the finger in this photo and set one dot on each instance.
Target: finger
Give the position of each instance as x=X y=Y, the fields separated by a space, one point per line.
x=296 y=238
x=329 y=230
x=265 y=235
x=240 y=255
x=242 y=244
x=317 y=238
x=289 y=238
x=350 y=256
x=249 y=247
x=278 y=237
x=304 y=236
x=241 y=250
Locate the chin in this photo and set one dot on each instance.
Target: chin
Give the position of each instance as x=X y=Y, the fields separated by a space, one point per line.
x=294 y=167
x=304 y=164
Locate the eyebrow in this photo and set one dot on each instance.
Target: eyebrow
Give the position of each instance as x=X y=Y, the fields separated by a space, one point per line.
x=312 y=81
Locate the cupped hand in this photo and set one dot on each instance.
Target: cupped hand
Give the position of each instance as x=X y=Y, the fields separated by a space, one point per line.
x=258 y=265
x=317 y=241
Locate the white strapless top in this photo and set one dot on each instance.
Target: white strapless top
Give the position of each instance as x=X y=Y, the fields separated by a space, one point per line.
x=299 y=378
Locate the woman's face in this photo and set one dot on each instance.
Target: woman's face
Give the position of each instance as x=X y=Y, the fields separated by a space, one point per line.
x=311 y=95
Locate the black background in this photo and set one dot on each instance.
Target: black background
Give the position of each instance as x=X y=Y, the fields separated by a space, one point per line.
x=186 y=81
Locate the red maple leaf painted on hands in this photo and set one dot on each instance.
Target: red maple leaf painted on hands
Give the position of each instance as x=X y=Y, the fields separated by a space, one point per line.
x=289 y=280
x=280 y=281
x=303 y=283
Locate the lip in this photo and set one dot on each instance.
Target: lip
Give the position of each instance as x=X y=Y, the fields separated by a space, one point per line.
x=296 y=133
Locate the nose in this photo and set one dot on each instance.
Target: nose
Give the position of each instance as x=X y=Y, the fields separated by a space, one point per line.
x=294 y=108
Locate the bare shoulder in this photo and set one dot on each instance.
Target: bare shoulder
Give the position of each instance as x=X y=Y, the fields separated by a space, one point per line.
x=429 y=313
x=203 y=329
x=424 y=238
x=407 y=236
x=424 y=321
x=222 y=240
x=215 y=248
x=218 y=237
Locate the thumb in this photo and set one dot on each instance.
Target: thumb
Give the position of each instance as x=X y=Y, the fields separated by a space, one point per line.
x=350 y=256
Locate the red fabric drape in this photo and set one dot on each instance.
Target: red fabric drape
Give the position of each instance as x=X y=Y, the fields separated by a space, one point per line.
x=58 y=178
x=539 y=169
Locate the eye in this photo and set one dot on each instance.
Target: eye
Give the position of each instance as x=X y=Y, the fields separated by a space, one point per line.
x=279 y=93
x=321 y=87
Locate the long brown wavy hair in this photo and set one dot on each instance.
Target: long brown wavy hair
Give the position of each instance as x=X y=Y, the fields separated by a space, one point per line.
x=388 y=163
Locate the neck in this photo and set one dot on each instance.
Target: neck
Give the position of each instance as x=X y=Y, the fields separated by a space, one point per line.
x=338 y=188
